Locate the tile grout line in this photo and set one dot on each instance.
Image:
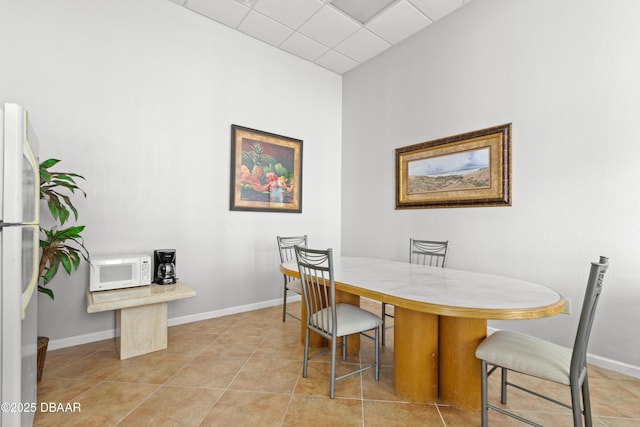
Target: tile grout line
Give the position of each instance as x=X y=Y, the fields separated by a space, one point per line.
x=444 y=423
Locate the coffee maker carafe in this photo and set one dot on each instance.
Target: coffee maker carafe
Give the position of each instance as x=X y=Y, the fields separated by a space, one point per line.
x=164 y=266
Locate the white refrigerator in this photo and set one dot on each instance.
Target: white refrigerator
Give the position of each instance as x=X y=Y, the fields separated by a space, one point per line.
x=19 y=256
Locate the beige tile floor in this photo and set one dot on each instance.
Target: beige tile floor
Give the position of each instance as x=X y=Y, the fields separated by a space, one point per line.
x=246 y=370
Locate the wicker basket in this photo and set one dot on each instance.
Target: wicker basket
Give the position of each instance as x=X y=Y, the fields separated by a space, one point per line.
x=43 y=342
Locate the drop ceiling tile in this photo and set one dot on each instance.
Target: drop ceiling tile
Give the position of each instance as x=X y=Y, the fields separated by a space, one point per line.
x=329 y=27
x=302 y=46
x=398 y=22
x=362 y=45
x=227 y=12
x=291 y=13
x=436 y=9
x=180 y=2
x=361 y=10
x=264 y=28
x=336 y=62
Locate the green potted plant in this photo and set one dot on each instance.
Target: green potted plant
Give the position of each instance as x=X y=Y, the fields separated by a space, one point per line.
x=58 y=246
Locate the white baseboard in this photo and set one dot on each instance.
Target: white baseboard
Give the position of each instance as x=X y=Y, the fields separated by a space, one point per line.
x=603 y=362
x=614 y=365
x=227 y=311
x=81 y=339
x=111 y=333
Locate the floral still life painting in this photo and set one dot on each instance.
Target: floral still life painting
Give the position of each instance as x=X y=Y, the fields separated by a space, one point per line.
x=266 y=171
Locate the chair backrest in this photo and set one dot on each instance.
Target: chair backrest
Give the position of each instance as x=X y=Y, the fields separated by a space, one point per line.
x=318 y=288
x=428 y=252
x=286 y=246
x=591 y=297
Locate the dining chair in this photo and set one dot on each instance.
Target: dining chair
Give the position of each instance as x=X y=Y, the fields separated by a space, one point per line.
x=425 y=252
x=287 y=253
x=330 y=319
x=532 y=356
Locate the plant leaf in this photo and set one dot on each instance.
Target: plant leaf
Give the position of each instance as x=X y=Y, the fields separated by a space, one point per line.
x=46 y=291
x=48 y=163
x=66 y=264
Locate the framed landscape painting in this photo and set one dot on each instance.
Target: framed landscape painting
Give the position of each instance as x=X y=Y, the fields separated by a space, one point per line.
x=266 y=171
x=471 y=169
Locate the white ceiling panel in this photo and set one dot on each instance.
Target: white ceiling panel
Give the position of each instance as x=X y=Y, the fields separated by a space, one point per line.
x=436 y=9
x=398 y=22
x=336 y=61
x=361 y=10
x=317 y=31
x=264 y=28
x=292 y=13
x=227 y=12
x=329 y=27
x=362 y=45
x=304 y=47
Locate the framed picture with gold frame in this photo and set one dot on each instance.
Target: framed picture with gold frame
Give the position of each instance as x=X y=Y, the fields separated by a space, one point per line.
x=466 y=170
x=266 y=171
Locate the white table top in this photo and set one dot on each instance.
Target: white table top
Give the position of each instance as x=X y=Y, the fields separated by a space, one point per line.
x=443 y=291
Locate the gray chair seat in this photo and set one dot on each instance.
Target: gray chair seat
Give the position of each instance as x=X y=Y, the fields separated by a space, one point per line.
x=349 y=320
x=528 y=355
x=294 y=285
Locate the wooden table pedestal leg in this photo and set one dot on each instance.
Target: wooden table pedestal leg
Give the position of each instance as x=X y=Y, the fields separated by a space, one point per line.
x=459 y=382
x=415 y=355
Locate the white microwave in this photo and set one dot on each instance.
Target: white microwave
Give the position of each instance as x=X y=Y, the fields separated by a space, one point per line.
x=118 y=272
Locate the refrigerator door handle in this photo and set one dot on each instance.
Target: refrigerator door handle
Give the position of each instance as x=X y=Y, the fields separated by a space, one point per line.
x=31 y=158
x=28 y=293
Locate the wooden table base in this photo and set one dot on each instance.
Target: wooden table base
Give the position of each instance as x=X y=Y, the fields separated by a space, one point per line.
x=434 y=358
x=459 y=378
x=415 y=355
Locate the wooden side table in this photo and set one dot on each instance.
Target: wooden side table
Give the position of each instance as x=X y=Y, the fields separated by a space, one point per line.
x=141 y=315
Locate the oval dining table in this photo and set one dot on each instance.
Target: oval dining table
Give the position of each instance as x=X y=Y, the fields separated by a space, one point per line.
x=440 y=317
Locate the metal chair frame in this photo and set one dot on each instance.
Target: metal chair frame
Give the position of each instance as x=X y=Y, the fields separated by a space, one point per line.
x=425 y=252
x=287 y=253
x=326 y=317
x=578 y=375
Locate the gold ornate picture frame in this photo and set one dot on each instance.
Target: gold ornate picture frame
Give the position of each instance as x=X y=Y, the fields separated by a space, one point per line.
x=466 y=170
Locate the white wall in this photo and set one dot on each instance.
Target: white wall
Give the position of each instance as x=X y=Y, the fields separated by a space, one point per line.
x=565 y=74
x=139 y=97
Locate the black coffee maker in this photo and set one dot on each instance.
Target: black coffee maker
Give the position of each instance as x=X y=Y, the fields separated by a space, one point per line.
x=164 y=266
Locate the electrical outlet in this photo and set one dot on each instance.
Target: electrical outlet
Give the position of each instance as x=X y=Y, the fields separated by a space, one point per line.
x=567 y=307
